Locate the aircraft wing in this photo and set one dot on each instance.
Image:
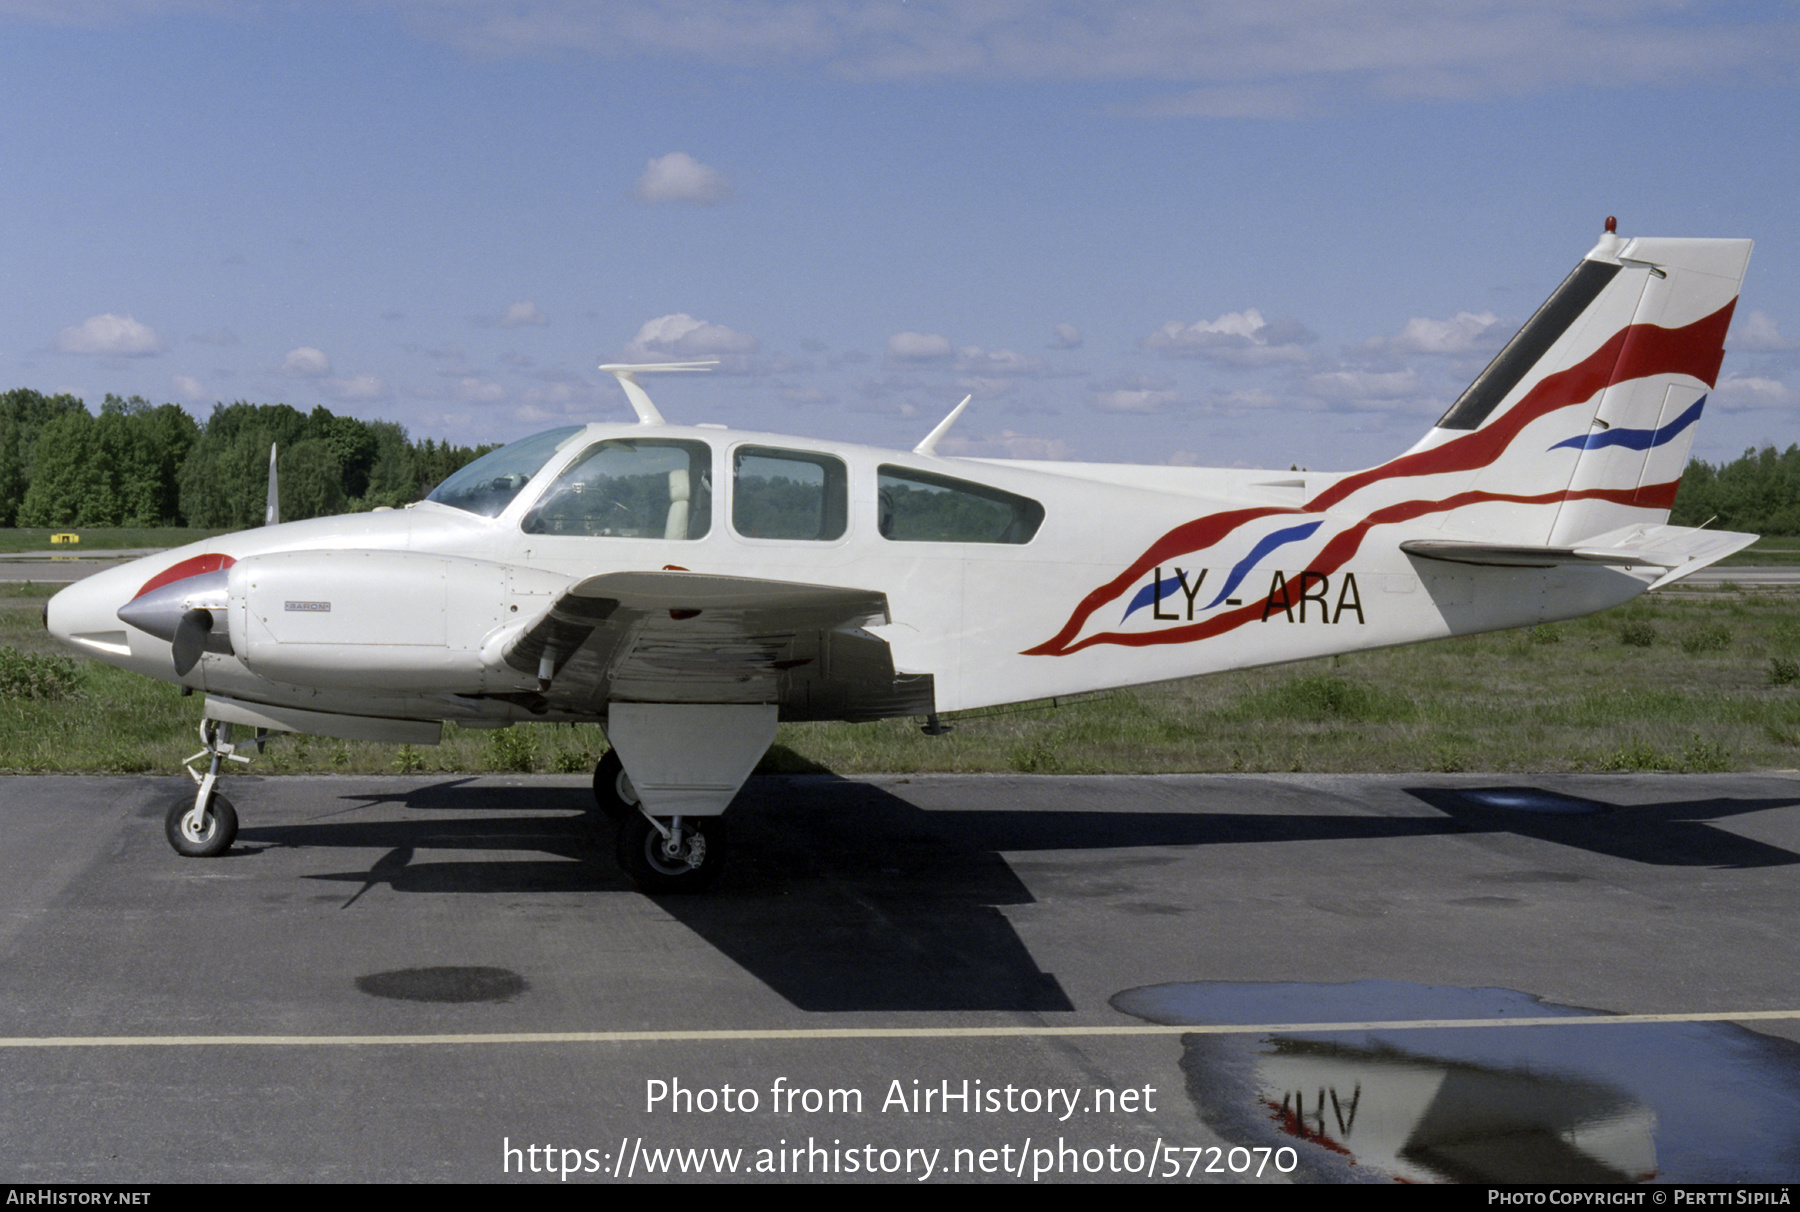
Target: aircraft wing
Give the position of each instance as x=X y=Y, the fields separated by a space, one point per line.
x=685 y=637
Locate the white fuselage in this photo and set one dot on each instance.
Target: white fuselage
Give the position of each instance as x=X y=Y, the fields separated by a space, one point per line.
x=1245 y=576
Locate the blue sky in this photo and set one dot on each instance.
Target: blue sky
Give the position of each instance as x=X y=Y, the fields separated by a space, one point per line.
x=1220 y=234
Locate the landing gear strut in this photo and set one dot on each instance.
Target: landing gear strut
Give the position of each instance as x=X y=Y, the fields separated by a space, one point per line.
x=206 y=827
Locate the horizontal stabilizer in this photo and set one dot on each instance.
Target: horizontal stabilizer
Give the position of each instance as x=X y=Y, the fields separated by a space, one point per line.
x=1678 y=550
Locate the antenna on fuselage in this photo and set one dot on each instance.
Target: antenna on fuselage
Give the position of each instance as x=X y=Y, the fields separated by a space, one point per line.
x=626 y=373
x=929 y=445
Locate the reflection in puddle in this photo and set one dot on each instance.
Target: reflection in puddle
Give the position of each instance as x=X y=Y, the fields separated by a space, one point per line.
x=1530 y=799
x=1429 y=1121
x=1583 y=1103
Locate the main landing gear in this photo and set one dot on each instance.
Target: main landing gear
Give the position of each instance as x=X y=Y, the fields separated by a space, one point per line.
x=613 y=792
x=671 y=855
x=662 y=855
x=206 y=826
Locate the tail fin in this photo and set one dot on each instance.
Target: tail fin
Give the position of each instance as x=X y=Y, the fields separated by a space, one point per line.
x=1582 y=425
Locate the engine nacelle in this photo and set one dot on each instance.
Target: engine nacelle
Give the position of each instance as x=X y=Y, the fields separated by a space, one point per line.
x=373 y=620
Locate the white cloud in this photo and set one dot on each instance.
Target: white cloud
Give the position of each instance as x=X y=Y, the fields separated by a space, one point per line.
x=678 y=177
x=1007 y=444
x=480 y=391
x=1757 y=331
x=994 y=361
x=682 y=336
x=1217 y=59
x=109 y=334
x=520 y=314
x=1237 y=338
x=1134 y=394
x=1371 y=390
x=189 y=388
x=1284 y=100
x=1065 y=336
x=1237 y=403
x=356 y=387
x=1139 y=400
x=565 y=400
x=306 y=363
x=985 y=387
x=1740 y=393
x=1464 y=333
x=919 y=347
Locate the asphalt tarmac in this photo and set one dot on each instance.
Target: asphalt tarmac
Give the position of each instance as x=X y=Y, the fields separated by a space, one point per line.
x=938 y=978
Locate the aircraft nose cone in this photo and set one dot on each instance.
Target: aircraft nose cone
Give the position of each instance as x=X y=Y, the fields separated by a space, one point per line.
x=85 y=615
x=157 y=612
x=189 y=613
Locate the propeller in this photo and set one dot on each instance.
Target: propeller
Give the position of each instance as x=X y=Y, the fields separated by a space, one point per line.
x=190 y=639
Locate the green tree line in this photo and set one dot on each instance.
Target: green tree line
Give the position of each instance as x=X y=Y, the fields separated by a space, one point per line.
x=139 y=464
x=1759 y=492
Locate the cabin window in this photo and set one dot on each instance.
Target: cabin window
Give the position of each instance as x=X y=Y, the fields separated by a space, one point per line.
x=489 y=484
x=632 y=488
x=788 y=494
x=919 y=507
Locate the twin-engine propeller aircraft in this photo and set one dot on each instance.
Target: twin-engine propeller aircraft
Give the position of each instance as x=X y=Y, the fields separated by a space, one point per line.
x=687 y=587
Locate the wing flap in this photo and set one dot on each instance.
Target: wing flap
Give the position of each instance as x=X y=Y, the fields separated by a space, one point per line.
x=684 y=637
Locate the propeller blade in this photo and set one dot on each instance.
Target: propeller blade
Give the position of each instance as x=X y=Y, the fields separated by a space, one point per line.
x=190 y=639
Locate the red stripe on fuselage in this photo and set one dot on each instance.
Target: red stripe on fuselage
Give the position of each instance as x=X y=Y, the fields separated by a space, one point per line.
x=1337 y=551
x=1197 y=535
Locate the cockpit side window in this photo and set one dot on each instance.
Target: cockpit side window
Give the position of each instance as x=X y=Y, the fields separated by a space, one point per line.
x=788 y=494
x=634 y=488
x=489 y=484
x=920 y=507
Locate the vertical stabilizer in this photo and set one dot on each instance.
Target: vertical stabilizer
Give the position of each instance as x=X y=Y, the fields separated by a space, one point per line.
x=1583 y=422
x=272 y=510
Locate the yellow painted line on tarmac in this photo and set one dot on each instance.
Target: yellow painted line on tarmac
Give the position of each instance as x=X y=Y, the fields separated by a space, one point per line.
x=825 y=1033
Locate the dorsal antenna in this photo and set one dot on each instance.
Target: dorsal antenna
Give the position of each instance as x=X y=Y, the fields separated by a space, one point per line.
x=626 y=373
x=929 y=445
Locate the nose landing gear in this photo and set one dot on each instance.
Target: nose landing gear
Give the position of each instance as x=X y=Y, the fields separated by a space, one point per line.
x=206 y=827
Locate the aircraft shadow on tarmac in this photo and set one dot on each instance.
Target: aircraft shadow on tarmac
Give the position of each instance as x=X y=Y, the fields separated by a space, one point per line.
x=1676 y=834
x=842 y=896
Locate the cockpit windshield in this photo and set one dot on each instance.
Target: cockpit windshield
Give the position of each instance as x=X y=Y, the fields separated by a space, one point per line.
x=488 y=485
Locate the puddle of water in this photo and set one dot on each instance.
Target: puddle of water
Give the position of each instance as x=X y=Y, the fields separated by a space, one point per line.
x=1529 y=799
x=1679 y=1102
x=444 y=984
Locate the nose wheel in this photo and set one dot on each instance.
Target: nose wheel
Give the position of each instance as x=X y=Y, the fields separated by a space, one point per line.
x=205 y=826
x=671 y=855
x=201 y=829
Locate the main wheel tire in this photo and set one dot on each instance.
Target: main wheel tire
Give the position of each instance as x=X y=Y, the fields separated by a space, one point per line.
x=613 y=792
x=197 y=834
x=642 y=854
